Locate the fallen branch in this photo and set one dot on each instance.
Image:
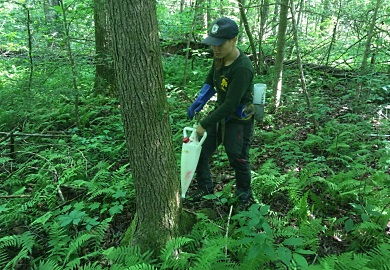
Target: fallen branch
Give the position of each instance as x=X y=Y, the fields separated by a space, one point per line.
x=8 y=134
x=14 y=196
x=379 y=135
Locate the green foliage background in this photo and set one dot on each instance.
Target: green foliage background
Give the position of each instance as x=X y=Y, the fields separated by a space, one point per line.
x=67 y=197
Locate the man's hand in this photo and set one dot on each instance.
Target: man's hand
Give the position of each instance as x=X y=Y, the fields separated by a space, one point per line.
x=194 y=108
x=200 y=130
x=204 y=95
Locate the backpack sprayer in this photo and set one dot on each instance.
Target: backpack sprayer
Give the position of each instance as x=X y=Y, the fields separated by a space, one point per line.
x=190 y=153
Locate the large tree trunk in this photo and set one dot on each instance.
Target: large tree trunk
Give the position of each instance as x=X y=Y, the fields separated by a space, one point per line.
x=278 y=77
x=140 y=82
x=104 y=76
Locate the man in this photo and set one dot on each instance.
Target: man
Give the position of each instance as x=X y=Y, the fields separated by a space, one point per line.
x=231 y=123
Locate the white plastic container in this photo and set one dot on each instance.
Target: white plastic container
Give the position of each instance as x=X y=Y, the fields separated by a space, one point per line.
x=259 y=100
x=190 y=153
x=259 y=93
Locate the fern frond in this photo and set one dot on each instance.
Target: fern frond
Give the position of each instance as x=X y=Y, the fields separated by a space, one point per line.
x=351 y=261
x=93 y=266
x=77 y=243
x=59 y=240
x=255 y=258
x=48 y=265
x=173 y=257
x=128 y=255
x=211 y=252
x=99 y=232
x=142 y=266
x=172 y=246
x=24 y=241
x=380 y=257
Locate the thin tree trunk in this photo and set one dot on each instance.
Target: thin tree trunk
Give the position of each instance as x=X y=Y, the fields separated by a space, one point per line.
x=333 y=35
x=249 y=34
x=29 y=35
x=51 y=16
x=274 y=22
x=368 y=46
x=369 y=37
x=301 y=8
x=301 y=73
x=194 y=21
x=264 y=9
x=326 y=13
x=278 y=77
x=72 y=66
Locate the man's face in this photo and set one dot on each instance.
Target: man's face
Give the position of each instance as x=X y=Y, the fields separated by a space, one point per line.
x=224 y=49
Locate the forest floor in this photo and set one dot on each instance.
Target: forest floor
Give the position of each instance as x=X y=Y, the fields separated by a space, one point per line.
x=278 y=202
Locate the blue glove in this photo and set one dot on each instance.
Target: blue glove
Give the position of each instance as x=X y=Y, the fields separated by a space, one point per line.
x=240 y=111
x=204 y=95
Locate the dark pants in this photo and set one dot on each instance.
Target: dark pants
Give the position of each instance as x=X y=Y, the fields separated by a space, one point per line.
x=237 y=140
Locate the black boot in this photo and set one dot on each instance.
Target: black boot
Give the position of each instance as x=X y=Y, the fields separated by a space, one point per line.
x=198 y=194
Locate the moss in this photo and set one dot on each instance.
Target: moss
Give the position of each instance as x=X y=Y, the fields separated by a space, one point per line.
x=129 y=234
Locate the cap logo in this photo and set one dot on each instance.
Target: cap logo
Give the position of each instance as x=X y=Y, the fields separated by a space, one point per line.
x=214 y=29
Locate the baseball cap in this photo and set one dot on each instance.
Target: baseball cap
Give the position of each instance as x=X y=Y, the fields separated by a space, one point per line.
x=221 y=30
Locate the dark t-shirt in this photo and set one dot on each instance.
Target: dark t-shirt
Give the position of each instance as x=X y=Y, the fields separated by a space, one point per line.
x=234 y=86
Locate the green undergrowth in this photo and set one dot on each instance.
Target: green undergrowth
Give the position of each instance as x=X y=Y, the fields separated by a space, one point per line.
x=321 y=200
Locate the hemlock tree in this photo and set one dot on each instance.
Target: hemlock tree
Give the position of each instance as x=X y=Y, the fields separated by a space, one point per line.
x=140 y=83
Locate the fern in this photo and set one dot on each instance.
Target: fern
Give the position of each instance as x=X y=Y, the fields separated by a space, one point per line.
x=211 y=253
x=257 y=257
x=142 y=266
x=380 y=257
x=172 y=257
x=79 y=241
x=59 y=240
x=89 y=266
x=48 y=265
x=128 y=256
x=351 y=261
x=23 y=241
x=375 y=259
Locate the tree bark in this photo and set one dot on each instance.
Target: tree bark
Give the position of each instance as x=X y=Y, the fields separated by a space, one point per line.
x=278 y=77
x=144 y=106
